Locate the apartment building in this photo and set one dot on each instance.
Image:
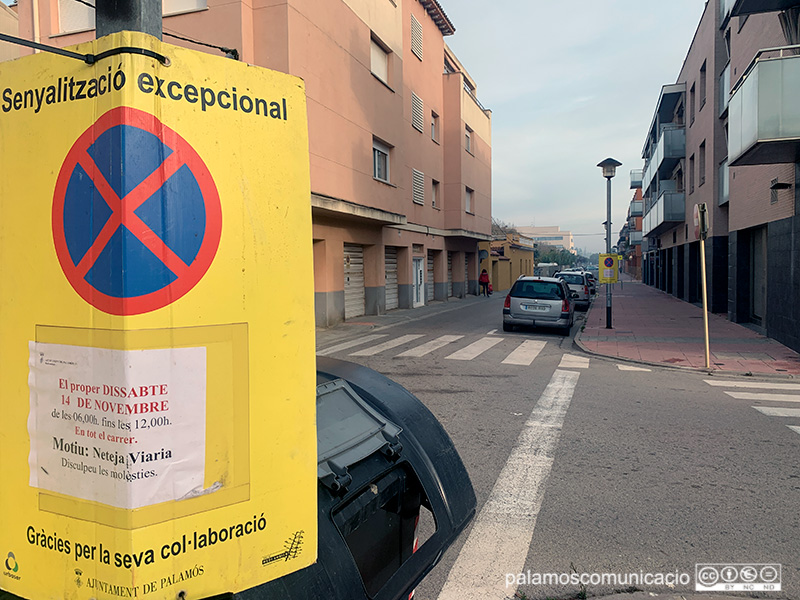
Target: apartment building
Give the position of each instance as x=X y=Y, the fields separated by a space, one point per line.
x=506 y=258
x=9 y=24
x=630 y=236
x=722 y=135
x=552 y=235
x=400 y=146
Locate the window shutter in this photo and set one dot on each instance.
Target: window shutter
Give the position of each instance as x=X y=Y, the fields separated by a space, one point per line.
x=417 y=113
x=416 y=37
x=418 y=186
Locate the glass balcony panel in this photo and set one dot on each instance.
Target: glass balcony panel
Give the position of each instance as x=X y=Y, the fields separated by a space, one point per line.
x=724 y=89
x=637 y=208
x=724 y=181
x=636 y=238
x=636 y=178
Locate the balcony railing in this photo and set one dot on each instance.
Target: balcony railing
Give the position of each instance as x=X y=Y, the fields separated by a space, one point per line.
x=764 y=113
x=724 y=178
x=636 y=178
x=671 y=147
x=725 y=8
x=637 y=208
x=666 y=212
x=635 y=238
x=743 y=8
x=724 y=89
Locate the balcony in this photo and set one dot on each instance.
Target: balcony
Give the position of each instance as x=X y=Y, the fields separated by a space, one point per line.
x=669 y=210
x=725 y=10
x=636 y=238
x=665 y=155
x=724 y=181
x=636 y=178
x=764 y=114
x=742 y=8
x=637 y=209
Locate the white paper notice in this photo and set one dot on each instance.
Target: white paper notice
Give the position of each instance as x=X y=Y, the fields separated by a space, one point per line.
x=120 y=427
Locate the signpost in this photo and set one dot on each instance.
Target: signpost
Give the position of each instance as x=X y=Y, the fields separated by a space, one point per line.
x=701 y=232
x=157 y=358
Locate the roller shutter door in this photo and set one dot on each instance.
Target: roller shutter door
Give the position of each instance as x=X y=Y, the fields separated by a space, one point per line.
x=353 y=281
x=466 y=274
x=429 y=288
x=390 y=258
x=449 y=274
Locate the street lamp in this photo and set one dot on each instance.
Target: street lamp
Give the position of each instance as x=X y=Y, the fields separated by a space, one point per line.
x=609 y=167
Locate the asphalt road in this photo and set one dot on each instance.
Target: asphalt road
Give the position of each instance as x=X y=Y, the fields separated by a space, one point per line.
x=582 y=467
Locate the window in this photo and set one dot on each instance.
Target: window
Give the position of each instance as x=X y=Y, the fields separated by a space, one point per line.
x=435 y=194
x=417 y=186
x=703 y=85
x=691 y=173
x=691 y=105
x=434 y=126
x=448 y=66
x=380 y=161
x=75 y=16
x=379 y=61
x=416 y=37
x=417 y=113
x=702 y=164
x=468 y=139
x=468 y=200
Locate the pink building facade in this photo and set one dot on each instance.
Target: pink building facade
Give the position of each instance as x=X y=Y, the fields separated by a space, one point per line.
x=400 y=146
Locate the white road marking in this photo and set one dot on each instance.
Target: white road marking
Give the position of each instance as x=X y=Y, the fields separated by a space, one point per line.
x=475 y=349
x=347 y=345
x=794 y=428
x=771 y=411
x=764 y=397
x=571 y=361
x=429 y=347
x=525 y=353
x=492 y=332
x=501 y=537
x=632 y=368
x=763 y=385
x=404 y=339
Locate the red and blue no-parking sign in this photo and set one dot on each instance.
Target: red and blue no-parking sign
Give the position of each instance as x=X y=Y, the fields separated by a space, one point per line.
x=136 y=214
x=608 y=262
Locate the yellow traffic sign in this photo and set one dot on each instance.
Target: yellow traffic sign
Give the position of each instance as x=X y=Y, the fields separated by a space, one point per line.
x=609 y=268
x=157 y=356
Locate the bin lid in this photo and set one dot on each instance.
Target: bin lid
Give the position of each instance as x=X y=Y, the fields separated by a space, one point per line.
x=348 y=431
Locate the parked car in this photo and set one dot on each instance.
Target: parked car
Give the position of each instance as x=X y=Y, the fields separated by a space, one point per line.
x=539 y=301
x=592 y=282
x=578 y=283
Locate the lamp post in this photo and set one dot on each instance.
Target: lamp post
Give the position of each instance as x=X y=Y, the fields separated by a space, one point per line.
x=609 y=167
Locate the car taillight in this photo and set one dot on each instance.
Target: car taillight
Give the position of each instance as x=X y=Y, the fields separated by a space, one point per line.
x=565 y=305
x=507 y=303
x=586 y=289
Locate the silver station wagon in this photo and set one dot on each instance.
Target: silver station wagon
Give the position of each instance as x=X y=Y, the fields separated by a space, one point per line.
x=539 y=301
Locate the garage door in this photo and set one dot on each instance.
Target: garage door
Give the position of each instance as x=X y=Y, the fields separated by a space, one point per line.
x=429 y=287
x=449 y=274
x=390 y=258
x=353 y=281
x=466 y=274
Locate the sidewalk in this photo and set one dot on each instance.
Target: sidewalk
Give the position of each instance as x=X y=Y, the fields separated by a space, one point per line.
x=652 y=326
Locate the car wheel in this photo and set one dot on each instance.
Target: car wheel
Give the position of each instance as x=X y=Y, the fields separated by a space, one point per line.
x=508 y=327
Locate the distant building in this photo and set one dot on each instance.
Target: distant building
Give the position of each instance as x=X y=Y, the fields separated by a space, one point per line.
x=552 y=236
x=506 y=258
x=630 y=236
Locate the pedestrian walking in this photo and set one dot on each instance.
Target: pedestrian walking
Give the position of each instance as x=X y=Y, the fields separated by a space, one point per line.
x=484 y=281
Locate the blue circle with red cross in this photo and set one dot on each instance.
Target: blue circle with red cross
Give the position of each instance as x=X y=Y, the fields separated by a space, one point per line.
x=136 y=214
x=609 y=262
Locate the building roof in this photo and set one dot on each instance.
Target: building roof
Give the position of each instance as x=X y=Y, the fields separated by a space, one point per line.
x=439 y=17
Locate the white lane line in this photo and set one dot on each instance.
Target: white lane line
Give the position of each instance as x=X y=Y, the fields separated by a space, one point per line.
x=771 y=411
x=475 y=349
x=571 y=361
x=764 y=397
x=347 y=345
x=794 y=428
x=429 y=347
x=632 y=368
x=501 y=537
x=762 y=385
x=403 y=339
x=492 y=332
x=525 y=353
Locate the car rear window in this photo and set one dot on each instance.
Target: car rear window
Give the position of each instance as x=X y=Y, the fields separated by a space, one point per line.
x=538 y=290
x=573 y=279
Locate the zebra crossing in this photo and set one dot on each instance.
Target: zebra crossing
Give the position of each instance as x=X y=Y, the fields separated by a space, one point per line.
x=450 y=347
x=766 y=392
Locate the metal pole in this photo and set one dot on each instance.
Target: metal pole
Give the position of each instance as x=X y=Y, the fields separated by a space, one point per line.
x=608 y=249
x=705 y=298
x=112 y=16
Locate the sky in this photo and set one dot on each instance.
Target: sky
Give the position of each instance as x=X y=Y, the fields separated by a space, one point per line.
x=569 y=84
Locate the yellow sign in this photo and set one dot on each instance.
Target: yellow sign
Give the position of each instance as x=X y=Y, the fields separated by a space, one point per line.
x=158 y=430
x=609 y=268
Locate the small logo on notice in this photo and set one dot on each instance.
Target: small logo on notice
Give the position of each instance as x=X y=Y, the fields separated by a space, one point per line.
x=12 y=566
x=78 y=574
x=747 y=577
x=292 y=548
